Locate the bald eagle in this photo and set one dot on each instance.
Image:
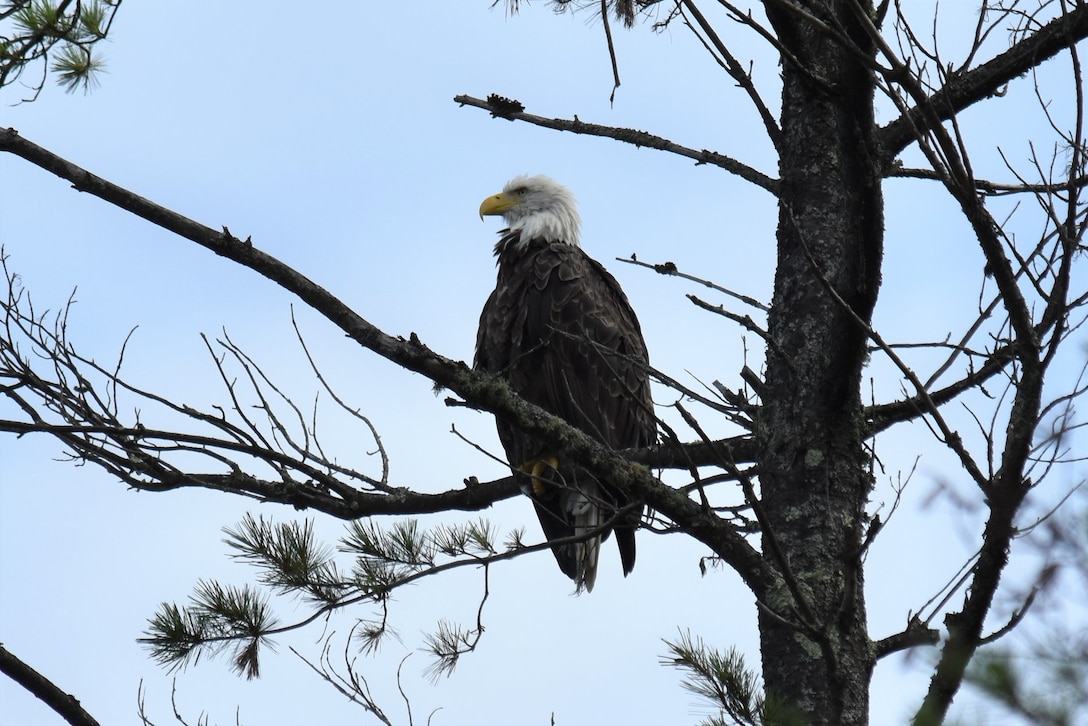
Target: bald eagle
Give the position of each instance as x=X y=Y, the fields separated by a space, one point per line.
x=560 y=331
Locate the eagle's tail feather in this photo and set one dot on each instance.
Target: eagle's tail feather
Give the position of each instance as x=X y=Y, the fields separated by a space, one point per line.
x=586 y=515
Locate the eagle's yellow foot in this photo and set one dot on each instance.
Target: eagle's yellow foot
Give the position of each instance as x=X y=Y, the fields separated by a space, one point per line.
x=535 y=468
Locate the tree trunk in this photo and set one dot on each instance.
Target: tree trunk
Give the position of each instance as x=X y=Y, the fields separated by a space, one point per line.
x=814 y=468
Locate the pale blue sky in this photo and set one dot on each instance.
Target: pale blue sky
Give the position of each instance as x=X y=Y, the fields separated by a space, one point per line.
x=331 y=138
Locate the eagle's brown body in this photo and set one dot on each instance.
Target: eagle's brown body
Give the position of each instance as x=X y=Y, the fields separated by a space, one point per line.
x=559 y=329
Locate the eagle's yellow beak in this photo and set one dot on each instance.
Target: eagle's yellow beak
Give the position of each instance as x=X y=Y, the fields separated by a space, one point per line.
x=498 y=203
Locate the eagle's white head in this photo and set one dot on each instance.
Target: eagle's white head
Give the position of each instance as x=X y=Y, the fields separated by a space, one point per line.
x=537 y=207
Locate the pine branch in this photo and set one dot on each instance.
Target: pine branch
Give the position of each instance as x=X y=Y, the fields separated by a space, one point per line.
x=219 y=617
x=723 y=680
x=62 y=37
x=290 y=559
x=291 y=562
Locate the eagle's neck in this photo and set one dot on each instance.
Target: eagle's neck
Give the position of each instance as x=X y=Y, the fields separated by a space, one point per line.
x=557 y=224
x=513 y=244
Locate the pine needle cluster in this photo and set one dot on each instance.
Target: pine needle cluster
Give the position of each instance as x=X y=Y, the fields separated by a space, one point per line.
x=60 y=37
x=292 y=562
x=723 y=680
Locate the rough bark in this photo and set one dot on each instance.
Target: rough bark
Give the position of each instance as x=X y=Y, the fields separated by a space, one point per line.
x=817 y=656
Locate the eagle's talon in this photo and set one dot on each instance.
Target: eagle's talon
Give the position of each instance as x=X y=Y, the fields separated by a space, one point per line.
x=535 y=468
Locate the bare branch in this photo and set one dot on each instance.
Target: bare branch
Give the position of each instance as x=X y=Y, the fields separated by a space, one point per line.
x=628 y=136
x=66 y=705
x=966 y=88
x=915 y=634
x=670 y=268
x=730 y=63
